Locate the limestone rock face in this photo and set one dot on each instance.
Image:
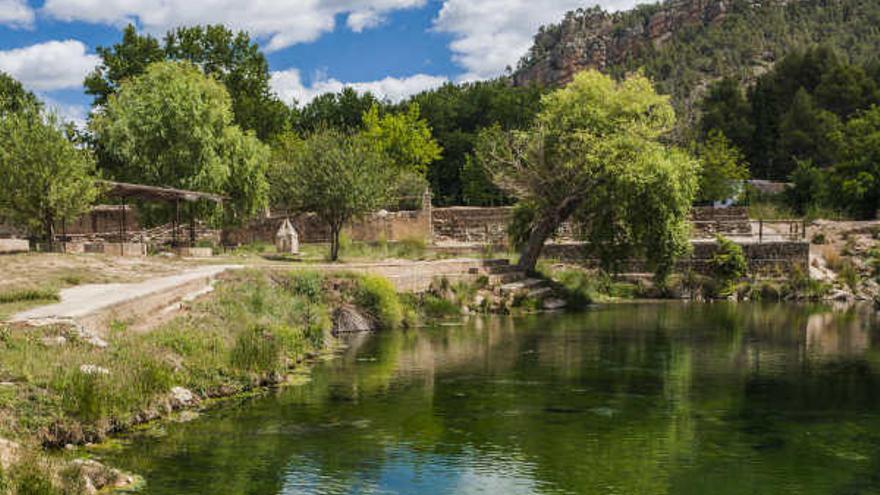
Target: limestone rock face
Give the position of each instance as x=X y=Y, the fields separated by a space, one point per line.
x=595 y=39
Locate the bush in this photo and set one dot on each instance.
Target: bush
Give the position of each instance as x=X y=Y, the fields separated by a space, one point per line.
x=729 y=263
x=433 y=306
x=307 y=284
x=378 y=296
x=410 y=247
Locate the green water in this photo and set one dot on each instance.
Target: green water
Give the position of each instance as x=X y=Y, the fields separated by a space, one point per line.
x=627 y=399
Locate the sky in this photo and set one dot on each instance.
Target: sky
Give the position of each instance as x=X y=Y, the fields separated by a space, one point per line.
x=393 y=48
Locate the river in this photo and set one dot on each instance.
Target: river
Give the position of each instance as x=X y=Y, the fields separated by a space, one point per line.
x=649 y=398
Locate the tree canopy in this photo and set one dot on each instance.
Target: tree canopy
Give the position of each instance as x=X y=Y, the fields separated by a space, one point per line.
x=232 y=58
x=722 y=168
x=14 y=98
x=336 y=175
x=594 y=155
x=173 y=126
x=44 y=178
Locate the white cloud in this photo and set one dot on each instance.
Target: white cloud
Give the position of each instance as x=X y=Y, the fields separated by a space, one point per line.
x=280 y=22
x=289 y=87
x=78 y=114
x=490 y=35
x=16 y=13
x=49 y=66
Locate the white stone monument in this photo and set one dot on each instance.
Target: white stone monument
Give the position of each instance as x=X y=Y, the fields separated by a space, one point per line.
x=287 y=239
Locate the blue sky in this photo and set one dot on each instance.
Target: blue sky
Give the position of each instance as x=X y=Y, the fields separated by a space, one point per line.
x=391 y=47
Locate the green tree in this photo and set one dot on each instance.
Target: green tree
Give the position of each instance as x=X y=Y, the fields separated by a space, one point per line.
x=172 y=126
x=44 y=178
x=404 y=137
x=14 y=98
x=122 y=61
x=236 y=61
x=337 y=175
x=726 y=109
x=595 y=155
x=855 y=179
x=457 y=114
x=232 y=58
x=343 y=111
x=722 y=168
x=806 y=132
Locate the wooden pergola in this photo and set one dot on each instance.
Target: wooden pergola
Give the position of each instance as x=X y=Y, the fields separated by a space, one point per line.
x=125 y=191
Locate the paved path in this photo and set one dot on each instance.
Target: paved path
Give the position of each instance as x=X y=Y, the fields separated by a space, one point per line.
x=83 y=300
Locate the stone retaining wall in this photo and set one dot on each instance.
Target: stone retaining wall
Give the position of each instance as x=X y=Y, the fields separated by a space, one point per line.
x=768 y=259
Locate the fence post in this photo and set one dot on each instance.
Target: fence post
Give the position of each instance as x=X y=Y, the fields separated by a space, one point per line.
x=760 y=230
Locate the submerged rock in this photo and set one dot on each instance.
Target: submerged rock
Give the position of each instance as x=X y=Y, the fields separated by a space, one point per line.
x=348 y=319
x=554 y=304
x=180 y=397
x=97 y=477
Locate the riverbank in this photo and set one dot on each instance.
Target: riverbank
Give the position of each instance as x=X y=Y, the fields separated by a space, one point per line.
x=58 y=390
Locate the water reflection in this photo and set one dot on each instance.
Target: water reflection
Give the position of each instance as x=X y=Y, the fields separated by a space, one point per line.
x=633 y=399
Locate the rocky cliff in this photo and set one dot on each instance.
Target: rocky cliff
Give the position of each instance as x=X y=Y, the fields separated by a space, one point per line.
x=595 y=39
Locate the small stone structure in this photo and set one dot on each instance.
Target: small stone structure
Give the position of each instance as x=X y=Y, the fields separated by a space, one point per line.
x=287 y=239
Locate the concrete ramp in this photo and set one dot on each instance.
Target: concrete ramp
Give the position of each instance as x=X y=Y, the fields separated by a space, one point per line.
x=96 y=306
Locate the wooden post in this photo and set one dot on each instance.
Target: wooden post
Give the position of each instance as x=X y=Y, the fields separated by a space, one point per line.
x=124 y=223
x=760 y=230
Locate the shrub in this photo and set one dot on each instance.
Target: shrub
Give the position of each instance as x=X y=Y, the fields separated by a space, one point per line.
x=433 y=306
x=31 y=476
x=819 y=238
x=728 y=263
x=306 y=284
x=378 y=296
x=86 y=396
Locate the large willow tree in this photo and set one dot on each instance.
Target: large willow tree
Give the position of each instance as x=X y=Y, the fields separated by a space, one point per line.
x=173 y=126
x=594 y=156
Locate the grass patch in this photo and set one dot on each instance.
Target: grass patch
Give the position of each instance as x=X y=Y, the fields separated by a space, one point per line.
x=8 y=296
x=252 y=328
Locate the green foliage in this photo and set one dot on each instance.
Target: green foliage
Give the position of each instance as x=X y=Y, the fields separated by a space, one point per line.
x=726 y=110
x=722 y=168
x=256 y=350
x=404 y=137
x=855 y=179
x=594 y=155
x=729 y=263
x=29 y=294
x=342 y=111
x=337 y=176
x=477 y=186
x=456 y=114
x=849 y=274
x=521 y=221
x=44 y=178
x=15 y=99
x=378 y=297
x=231 y=58
x=172 y=126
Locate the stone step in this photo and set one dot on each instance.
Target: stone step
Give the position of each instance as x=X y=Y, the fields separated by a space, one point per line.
x=540 y=293
x=506 y=278
x=529 y=283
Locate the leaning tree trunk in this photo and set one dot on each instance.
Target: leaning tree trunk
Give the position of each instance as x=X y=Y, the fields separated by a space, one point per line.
x=544 y=228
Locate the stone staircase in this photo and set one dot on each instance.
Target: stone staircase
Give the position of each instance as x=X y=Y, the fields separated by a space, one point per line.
x=508 y=281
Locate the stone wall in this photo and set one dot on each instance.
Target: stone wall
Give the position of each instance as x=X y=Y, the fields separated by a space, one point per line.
x=389 y=226
x=471 y=225
x=768 y=259
x=730 y=222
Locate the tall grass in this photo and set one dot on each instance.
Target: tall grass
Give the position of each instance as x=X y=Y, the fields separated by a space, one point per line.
x=14 y=295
